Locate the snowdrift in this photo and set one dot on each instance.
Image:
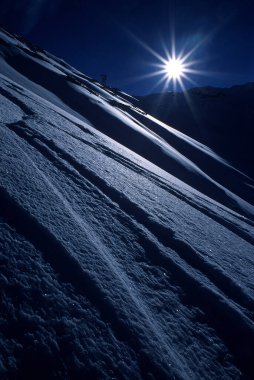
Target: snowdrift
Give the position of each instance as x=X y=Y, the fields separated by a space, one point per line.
x=126 y=246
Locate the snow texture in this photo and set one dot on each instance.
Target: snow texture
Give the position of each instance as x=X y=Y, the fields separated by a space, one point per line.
x=126 y=247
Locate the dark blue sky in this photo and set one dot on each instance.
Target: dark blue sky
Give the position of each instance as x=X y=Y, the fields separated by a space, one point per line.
x=97 y=36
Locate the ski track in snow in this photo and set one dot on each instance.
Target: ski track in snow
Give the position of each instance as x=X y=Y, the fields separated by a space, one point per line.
x=163 y=234
x=74 y=264
x=119 y=283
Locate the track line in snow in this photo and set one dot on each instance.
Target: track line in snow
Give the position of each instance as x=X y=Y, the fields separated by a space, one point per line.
x=70 y=268
x=165 y=235
x=224 y=315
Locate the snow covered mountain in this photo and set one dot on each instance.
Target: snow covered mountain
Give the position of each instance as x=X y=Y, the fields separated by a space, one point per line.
x=223 y=118
x=126 y=246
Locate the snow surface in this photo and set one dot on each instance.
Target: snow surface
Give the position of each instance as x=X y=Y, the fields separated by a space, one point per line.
x=126 y=246
x=211 y=115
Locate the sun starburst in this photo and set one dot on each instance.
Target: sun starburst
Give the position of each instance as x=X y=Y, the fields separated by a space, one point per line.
x=176 y=69
x=173 y=69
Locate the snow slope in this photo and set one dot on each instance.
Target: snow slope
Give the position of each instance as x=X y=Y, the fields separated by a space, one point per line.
x=223 y=118
x=126 y=246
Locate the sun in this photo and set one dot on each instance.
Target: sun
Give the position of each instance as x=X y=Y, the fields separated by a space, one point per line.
x=174 y=68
